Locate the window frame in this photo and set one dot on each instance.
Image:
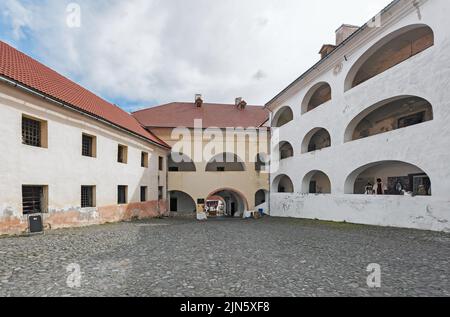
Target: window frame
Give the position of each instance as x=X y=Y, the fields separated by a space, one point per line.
x=42 y=134
x=92 y=202
x=93 y=145
x=122 y=154
x=42 y=200
x=144 y=190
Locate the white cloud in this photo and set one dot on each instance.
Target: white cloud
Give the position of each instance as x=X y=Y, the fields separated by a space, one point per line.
x=168 y=50
x=19 y=17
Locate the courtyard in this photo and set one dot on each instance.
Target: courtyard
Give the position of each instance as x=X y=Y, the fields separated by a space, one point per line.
x=267 y=257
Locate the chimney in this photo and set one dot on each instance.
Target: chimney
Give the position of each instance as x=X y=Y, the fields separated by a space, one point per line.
x=344 y=32
x=240 y=103
x=199 y=100
x=326 y=49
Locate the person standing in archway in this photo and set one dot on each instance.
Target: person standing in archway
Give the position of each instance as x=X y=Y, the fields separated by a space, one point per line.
x=379 y=187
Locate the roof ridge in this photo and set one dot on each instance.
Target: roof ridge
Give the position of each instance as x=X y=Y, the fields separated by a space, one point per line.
x=63 y=90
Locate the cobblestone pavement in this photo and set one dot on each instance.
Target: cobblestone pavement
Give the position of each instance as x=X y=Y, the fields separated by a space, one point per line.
x=268 y=257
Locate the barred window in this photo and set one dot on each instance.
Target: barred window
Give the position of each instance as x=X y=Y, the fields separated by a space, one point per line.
x=122 y=195
x=88 y=145
x=87 y=197
x=33 y=199
x=31 y=132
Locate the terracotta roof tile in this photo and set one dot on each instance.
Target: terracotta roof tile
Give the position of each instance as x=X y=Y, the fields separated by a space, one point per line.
x=23 y=69
x=181 y=114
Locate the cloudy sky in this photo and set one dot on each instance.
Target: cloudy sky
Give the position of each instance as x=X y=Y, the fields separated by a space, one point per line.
x=139 y=53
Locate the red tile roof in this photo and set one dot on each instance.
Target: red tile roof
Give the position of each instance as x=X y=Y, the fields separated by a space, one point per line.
x=180 y=114
x=24 y=70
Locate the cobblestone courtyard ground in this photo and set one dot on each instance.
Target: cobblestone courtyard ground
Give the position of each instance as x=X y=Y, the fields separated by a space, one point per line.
x=268 y=257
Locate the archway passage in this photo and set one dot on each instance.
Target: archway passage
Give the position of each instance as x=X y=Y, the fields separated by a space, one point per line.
x=318 y=95
x=315 y=140
x=283 y=184
x=261 y=197
x=234 y=202
x=397 y=178
x=285 y=150
x=389 y=52
x=179 y=162
x=388 y=115
x=181 y=202
x=282 y=117
x=226 y=162
x=316 y=182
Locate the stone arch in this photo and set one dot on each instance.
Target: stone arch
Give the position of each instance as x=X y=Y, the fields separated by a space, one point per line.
x=180 y=201
x=283 y=184
x=179 y=162
x=316 y=182
x=282 y=117
x=261 y=197
x=390 y=51
x=285 y=150
x=319 y=94
x=316 y=139
x=388 y=115
x=226 y=162
x=232 y=197
x=411 y=178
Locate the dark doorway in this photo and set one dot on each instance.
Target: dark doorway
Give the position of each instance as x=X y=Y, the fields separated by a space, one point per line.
x=233 y=209
x=313 y=187
x=174 y=204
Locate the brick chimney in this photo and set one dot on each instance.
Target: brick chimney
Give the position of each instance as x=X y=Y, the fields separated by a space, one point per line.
x=240 y=103
x=326 y=49
x=199 y=100
x=344 y=32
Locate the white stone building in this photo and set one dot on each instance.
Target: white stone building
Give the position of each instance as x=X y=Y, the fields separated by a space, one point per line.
x=376 y=106
x=70 y=155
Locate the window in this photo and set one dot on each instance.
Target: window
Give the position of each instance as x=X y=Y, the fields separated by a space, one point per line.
x=144 y=159
x=160 y=192
x=122 y=193
x=34 y=199
x=143 y=193
x=161 y=163
x=34 y=132
x=221 y=169
x=87 y=196
x=89 y=145
x=122 y=154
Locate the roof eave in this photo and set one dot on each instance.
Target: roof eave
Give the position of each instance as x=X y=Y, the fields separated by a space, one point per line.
x=326 y=58
x=71 y=107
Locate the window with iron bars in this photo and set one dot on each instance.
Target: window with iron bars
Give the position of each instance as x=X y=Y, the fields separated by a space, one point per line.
x=87 y=197
x=32 y=199
x=31 y=132
x=87 y=146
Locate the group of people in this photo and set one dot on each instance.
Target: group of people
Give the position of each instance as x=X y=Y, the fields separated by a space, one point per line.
x=378 y=189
